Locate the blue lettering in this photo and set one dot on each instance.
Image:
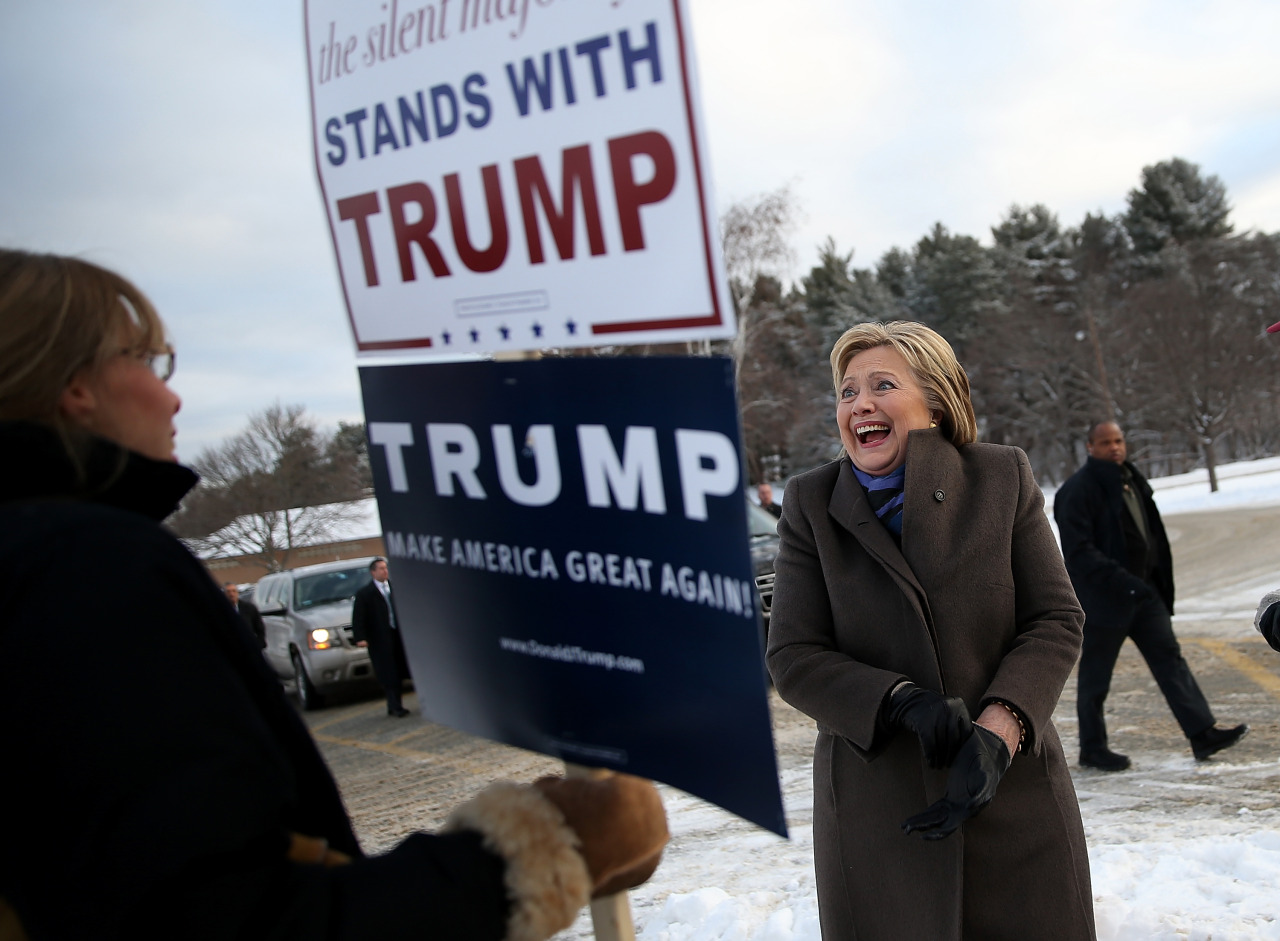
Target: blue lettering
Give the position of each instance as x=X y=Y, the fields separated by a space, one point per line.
x=569 y=96
x=593 y=48
x=444 y=93
x=650 y=52
x=356 y=118
x=477 y=98
x=541 y=83
x=416 y=119
x=383 y=134
x=333 y=134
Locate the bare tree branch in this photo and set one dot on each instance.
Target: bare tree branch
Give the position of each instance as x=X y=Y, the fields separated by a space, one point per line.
x=278 y=485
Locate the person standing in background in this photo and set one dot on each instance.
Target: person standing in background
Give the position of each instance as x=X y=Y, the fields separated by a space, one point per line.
x=765 y=492
x=248 y=612
x=1120 y=564
x=374 y=625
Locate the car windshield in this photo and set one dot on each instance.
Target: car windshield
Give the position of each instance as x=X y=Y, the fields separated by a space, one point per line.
x=760 y=522
x=328 y=587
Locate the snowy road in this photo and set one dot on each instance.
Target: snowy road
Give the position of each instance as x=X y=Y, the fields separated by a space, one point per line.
x=1179 y=849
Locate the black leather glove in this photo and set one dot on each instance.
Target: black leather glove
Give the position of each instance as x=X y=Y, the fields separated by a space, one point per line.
x=1140 y=591
x=977 y=770
x=941 y=723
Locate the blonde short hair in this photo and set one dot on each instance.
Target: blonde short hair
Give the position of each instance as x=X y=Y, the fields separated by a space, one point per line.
x=932 y=362
x=59 y=315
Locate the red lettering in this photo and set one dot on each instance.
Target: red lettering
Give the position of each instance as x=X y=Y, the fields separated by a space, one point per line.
x=415 y=212
x=631 y=195
x=575 y=176
x=358 y=209
x=491 y=258
x=417 y=233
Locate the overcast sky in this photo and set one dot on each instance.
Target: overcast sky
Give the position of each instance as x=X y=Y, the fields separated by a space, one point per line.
x=171 y=142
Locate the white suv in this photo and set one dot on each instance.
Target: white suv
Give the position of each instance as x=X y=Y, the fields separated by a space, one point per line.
x=307 y=614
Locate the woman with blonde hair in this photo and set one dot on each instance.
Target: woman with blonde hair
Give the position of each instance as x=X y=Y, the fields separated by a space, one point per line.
x=156 y=781
x=922 y=615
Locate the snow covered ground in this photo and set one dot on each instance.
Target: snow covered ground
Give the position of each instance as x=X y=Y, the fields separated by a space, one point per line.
x=1177 y=850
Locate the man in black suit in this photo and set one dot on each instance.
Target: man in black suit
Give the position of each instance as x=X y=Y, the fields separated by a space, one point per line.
x=374 y=625
x=1120 y=564
x=248 y=612
x=765 y=493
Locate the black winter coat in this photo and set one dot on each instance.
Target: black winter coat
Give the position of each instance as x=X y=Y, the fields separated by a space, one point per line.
x=371 y=622
x=1089 y=510
x=252 y=618
x=152 y=768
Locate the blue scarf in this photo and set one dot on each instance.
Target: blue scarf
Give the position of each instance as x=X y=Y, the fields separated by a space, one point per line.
x=885 y=496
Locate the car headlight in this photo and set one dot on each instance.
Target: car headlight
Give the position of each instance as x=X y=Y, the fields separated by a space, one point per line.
x=321 y=638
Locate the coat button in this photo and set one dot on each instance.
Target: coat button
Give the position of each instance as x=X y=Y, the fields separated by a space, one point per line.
x=939 y=495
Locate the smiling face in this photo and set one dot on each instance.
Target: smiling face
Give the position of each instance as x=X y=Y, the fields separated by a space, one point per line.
x=878 y=403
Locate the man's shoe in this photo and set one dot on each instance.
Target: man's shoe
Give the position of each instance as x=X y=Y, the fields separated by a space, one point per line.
x=1213 y=740
x=398 y=713
x=1104 y=760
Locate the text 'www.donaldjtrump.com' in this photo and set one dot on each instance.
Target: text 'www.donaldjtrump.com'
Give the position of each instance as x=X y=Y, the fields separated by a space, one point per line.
x=567 y=653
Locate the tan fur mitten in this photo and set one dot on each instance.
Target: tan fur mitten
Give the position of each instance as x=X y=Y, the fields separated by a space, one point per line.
x=546 y=877
x=620 y=822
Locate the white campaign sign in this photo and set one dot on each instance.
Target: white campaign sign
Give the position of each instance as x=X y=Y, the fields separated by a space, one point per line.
x=514 y=174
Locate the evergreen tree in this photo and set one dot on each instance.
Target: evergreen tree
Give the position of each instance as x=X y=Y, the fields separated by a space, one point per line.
x=837 y=296
x=1029 y=386
x=954 y=286
x=1176 y=204
x=1198 y=329
x=781 y=367
x=1103 y=254
x=828 y=288
x=1153 y=317
x=895 y=272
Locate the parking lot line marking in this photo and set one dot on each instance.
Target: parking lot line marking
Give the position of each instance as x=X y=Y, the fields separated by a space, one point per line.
x=344 y=716
x=385 y=748
x=415 y=733
x=469 y=767
x=1241 y=663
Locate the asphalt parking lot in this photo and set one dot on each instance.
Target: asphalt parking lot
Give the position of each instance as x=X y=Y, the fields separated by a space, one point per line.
x=399 y=775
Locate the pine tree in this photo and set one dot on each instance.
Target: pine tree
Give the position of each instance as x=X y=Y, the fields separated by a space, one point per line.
x=1176 y=204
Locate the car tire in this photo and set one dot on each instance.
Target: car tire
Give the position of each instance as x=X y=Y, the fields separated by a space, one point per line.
x=308 y=697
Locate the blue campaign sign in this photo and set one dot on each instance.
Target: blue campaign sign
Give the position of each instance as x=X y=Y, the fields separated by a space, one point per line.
x=568 y=542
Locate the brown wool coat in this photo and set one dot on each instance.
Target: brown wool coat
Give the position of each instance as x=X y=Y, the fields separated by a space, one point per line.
x=977 y=603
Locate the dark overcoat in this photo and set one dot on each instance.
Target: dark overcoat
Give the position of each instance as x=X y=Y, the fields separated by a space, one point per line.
x=371 y=622
x=252 y=618
x=1089 y=510
x=975 y=604
x=151 y=791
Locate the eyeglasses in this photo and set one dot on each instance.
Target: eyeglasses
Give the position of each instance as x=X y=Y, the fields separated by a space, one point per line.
x=160 y=362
